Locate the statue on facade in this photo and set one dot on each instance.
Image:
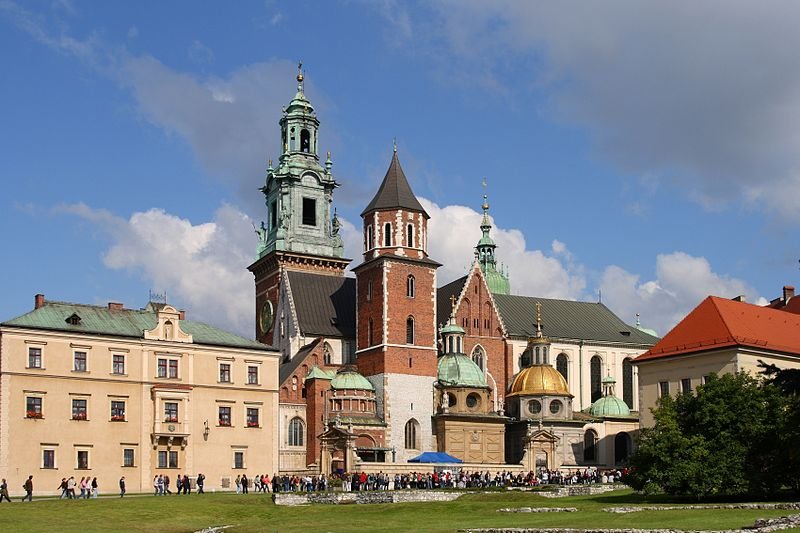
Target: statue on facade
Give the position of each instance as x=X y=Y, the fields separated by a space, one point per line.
x=261 y=231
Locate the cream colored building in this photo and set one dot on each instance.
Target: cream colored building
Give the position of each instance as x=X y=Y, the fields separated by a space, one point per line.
x=719 y=336
x=108 y=392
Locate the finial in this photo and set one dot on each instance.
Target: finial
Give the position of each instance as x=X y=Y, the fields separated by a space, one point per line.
x=637 y=320
x=538 y=316
x=394 y=144
x=453 y=303
x=300 y=76
x=328 y=162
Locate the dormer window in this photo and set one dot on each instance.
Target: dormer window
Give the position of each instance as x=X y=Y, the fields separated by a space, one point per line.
x=73 y=319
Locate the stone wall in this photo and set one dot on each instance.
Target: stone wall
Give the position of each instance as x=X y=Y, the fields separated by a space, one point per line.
x=338 y=498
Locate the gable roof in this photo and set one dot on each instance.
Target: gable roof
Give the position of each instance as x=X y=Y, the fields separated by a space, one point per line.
x=720 y=323
x=287 y=368
x=443 y=294
x=98 y=320
x=325 y=305
x=394 y=192
x=567 y=319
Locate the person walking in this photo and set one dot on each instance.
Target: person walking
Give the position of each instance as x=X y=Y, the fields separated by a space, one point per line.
x=238 y=484
x=82 y=485
x=201 y=480
x=94 y=487
x=122 y=486
x=187 y=487
x=155 y=485
x=28 y=486
x=4 y=491
x=63 y=488
x=71 y=488
x=166 y=485
x=178 y=485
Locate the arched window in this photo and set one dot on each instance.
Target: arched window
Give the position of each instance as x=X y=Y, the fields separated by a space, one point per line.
x=590 y=446
x=305 y=141
x=622 y=447
x=292 y=143
x=370 y=337
x=369 y=290
x=627 y=382
x=410 y=289
x=412 y=427
x=410 y=236
x=595 y=375
x=479 y=357
x=387 y=234
x=410 y=330
x=370 y=241
x=327 y=354
x=561 y=365
x=296 y=432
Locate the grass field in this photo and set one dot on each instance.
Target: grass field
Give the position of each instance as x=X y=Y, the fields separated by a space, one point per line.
x=257 y=513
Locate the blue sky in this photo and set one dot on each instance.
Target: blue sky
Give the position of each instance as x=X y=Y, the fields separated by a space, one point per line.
x=648 y=152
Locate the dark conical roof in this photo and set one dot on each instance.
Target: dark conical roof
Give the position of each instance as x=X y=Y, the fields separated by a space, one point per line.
x=395 y=192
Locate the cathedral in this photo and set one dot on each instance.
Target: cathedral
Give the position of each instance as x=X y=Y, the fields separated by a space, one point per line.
x=381 y=367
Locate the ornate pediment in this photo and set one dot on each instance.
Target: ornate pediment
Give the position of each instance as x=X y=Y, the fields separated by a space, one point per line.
x=168 y=326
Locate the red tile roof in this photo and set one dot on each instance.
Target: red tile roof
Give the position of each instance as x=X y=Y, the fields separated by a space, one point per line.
x=719 y=323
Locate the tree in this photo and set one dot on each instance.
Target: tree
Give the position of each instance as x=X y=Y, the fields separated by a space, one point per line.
x=718 y=441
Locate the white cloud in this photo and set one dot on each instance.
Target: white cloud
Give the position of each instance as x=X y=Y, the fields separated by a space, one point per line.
x=276 y=19
x=707 y=95
x=682 y=281
x=203 y=266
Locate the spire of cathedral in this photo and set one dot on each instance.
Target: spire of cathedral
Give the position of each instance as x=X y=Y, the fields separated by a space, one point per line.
x=485 y=254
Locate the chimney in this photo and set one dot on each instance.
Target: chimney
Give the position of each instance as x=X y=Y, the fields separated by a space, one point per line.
x=788 y=293
x=740 y=298
x=182 y=314
x=38 y=301
x=114 y=306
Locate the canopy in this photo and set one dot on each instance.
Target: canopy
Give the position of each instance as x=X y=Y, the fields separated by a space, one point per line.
x=435 y=457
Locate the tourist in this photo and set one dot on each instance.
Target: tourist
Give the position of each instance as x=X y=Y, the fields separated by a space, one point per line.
x=238 y=484
x=245 y=483
x=155 y=485
x=4 y=491
x=28 y=486
x=122 y=486
x=94 y=487
x=178 y=485
x=257 y=483
x=187 y=487
x=71 y=488
x=82 y=486
x=201 y=479
x=166 y=485
x=63 y=488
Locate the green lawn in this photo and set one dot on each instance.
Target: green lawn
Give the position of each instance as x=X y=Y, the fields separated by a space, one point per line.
x=257 y=513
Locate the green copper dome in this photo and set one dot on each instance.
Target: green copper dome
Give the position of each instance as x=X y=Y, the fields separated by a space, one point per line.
x=609 y=406
x=460 y=371
x=497 y=282
x=347 y=378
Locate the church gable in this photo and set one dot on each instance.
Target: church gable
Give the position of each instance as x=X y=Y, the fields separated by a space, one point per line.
x=476 y=311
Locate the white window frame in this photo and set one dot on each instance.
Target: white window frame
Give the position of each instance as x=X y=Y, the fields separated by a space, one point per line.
x=49 y=448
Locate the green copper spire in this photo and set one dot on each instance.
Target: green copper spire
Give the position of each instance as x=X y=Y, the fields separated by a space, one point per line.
x=485 y=255
x=299 y=190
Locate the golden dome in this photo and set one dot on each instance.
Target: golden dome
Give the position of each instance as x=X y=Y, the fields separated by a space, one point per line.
x=539 y=379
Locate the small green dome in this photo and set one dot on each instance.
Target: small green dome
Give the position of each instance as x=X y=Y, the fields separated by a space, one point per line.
x=460 y=371
x=451 y=327
x=609 y=406
x=497 y=282
x=347 y=378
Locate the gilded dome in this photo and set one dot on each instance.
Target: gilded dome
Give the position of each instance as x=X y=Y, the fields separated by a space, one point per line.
x=539 y=379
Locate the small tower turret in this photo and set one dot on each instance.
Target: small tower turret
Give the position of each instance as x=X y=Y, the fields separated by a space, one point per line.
x=485 y=255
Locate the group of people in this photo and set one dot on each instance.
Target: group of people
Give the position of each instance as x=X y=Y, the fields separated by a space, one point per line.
x=261 y=483
x=87 y=487
x=183 y=485
x=579 y=477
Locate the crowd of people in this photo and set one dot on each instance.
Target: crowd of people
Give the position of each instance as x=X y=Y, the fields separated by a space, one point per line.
x=161 y=483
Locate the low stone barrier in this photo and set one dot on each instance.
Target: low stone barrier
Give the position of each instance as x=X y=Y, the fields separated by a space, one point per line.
x=538 y=510
x=366 y=497
x=621 y=510
x=578 y=490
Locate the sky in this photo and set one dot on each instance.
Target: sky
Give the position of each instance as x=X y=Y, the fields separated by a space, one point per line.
x=642 y=154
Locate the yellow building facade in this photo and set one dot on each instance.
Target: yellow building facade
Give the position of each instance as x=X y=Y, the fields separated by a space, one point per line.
x=108 y=392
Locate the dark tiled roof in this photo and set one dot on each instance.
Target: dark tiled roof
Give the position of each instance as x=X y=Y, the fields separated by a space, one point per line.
x=443 y=305
x=394 y=192
x=287 y=368
x=97 y=320
x=567 y=319
x=325 y=305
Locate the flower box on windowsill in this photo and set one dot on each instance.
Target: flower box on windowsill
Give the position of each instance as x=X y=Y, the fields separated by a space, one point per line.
x=225 y=423
x=118 y=418
x=33 y=414
x=252 y=424
x=171 y=419
x=79 y=416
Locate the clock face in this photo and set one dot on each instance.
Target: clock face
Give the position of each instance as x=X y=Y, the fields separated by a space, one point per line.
x=265 y=318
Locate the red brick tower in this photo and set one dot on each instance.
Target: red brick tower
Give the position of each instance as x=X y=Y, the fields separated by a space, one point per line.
x=396 y=313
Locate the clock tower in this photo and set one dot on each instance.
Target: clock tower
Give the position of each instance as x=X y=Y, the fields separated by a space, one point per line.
x=300 y=232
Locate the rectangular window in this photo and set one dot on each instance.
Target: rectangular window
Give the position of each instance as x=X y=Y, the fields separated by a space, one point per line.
x=83 y=460
x=273 y=215
x=309 y=212
x=663 y=389
x=117 y=411
x=127 y=457
x=170 y=411
x=162 y=368
x=173 y=368
x=252 y=417
x=706 y=378
x=252 y=375
x=48 y=458
x=33 y=407
x=224 y=416
x=118 y=364
x=238 y=459
x=167 y=459
x=168 y=368
x=686 y=385
x=79 y=409
x=80 y=362
x=224 y=372
x=34 y=358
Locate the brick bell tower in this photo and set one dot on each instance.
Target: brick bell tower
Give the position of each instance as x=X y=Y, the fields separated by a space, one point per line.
x=396 y=313
x=300 y=233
